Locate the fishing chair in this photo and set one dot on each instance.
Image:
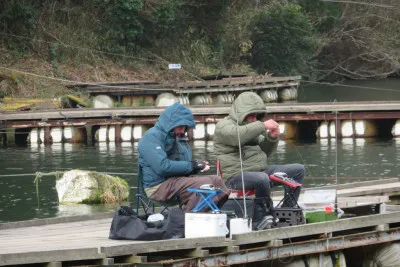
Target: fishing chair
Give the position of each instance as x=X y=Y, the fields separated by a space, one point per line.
x=292 y=186
x=147 y=204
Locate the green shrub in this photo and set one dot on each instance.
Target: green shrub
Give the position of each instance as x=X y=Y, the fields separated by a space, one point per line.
x=122 y=27
x=18 y=18
x=283 y=41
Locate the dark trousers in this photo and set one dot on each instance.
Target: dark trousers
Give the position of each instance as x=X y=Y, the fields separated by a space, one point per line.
x=260 y=182
x=179 y=185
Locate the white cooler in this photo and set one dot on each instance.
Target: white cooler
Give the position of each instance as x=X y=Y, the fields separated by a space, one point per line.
x=205 y=225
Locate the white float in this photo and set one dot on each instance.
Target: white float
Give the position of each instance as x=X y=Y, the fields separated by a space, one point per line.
x=165 y=100
x=138 y=131
x=288 y=129
x=365 y=128
x=126 y=133
x=201 y=100
x=332 y=129
x=74 y=134
x=323 y=130
x=224 y=99
x=210 y=130
x=33 y=136
x=384 y=255
x=101 y=134
x=270 y=95
x=288 y=94
x=396 y=129
x=200 y=131
x=103 y=101
x=347 y=128
x=184 y=100
x=56 y=134
x=111 y=133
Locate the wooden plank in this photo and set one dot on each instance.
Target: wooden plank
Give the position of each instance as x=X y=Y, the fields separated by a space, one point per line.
x=50 y=256
x=164 y=245
x=242 y=80
x=358 y=184
x=350 y=202
x=235 y=88
x=392 y=208
x=382 y=189
x=316 y=228
x=39 y=222
x=197 y=110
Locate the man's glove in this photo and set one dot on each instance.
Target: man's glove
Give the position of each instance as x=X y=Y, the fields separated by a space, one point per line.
x=198 y=165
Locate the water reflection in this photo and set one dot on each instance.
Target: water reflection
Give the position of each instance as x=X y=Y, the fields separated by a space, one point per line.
x=354 y=159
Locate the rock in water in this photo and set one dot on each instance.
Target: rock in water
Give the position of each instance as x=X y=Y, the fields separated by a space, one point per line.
x=77 y=186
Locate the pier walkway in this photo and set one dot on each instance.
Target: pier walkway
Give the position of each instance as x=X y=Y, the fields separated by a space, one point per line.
x=84 y=240
x=281 y=111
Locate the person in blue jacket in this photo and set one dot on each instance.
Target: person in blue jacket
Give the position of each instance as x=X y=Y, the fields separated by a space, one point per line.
x=166 y=160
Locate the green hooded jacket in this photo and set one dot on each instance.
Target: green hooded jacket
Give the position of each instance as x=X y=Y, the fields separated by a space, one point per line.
x=256 y=143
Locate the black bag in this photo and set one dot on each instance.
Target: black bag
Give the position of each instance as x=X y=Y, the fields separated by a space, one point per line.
x=236 y=205
x=126 y=224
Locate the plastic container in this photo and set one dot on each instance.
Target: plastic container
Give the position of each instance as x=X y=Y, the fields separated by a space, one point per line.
x=321 y=215
x=205 y=225
x=239 y=226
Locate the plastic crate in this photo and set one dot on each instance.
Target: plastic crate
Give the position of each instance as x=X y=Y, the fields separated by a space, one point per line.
x=289 y=216
x=320 y=216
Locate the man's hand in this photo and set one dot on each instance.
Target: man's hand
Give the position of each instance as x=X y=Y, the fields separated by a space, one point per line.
x=200 y=166
x=273 y=128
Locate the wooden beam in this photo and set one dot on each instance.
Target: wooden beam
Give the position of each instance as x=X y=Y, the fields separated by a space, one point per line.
x=316 y=228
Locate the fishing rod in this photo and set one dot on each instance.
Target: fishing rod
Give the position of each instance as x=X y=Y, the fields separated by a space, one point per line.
x=241 y=161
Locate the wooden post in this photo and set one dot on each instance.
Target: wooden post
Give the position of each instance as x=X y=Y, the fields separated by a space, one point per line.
x=3 y=137
x=118 y=133
x=47 y=136
x=3 y=132
x=338 y=126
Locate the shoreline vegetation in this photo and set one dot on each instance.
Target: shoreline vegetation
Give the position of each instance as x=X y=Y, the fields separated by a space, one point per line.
x=46 y=45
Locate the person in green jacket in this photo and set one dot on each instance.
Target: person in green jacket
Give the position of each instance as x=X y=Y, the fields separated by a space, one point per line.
x=258 y=140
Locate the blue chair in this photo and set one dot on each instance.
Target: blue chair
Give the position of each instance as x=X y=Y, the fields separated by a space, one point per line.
x=146 y=203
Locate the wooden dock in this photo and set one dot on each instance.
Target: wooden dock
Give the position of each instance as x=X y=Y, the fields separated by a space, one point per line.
x=282 y=111
x=227 y=84
x=83 y=240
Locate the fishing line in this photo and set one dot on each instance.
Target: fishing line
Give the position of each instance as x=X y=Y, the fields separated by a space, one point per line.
x=359 y=3
x=352 y=86
x=80 y=82
x=33 y=174
x=336 y=159
x=241 y=160
x=81 y=48
x=161 y=60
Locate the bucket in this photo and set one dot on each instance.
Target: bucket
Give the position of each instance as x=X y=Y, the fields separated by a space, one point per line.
x=205 y=225
x=239 y=226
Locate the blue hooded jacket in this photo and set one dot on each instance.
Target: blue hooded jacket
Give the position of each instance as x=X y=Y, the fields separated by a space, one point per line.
x=161 y=153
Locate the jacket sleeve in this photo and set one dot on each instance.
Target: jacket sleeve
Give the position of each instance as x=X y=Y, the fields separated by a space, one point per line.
x=152 y=150
x=267 y=143
x=228 y=133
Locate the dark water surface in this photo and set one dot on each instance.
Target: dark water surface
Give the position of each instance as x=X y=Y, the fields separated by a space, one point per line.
x=358 y=159
x=357 y=90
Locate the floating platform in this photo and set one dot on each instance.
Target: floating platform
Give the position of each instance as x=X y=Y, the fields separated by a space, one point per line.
x=305 y=120
x=83 y=240
x=216 y=90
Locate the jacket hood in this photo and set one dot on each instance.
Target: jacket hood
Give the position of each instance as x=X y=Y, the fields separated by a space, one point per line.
x=175 y=115
x=246 y=103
